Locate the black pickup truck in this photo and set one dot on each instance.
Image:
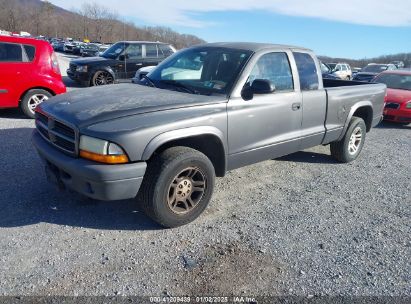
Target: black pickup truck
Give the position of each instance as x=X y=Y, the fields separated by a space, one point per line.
x=120 y=61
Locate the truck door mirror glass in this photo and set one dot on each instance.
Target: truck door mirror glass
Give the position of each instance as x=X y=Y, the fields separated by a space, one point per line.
x=262 y=86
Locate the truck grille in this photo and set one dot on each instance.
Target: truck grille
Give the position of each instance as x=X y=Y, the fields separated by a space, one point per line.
x=392 y=105
x=57 y=133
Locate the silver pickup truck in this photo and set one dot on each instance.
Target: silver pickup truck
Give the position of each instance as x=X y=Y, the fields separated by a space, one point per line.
x=203 y=111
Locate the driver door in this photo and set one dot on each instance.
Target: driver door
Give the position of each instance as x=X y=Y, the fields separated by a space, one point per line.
x=268 y=125
x=133 y=59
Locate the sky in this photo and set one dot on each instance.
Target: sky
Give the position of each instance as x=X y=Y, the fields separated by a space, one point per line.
x=350 y=28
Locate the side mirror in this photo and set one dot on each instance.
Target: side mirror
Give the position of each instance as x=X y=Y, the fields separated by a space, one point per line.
x=262 y=86
x=259 y=86
x=122 y=57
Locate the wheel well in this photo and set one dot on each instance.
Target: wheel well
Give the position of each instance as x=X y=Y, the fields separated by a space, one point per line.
x=36 y=88
x=366 y=114
x=210 y=145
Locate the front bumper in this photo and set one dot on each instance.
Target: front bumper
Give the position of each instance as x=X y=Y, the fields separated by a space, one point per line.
x=78 y=76
x=98 y=181
x=399 y=115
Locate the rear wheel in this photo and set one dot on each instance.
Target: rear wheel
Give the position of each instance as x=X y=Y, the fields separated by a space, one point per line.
x=177 y=187
x=102 y=78
x=32 y=99
x=350 y=146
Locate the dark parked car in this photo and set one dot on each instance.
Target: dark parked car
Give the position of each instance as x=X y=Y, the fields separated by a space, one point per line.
x=58 y=46
x=90 y=50
x=120 y=61
x=77 y=48
x=373 y=69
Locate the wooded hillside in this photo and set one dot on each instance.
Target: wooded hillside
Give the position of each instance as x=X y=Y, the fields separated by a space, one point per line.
x=91 y=21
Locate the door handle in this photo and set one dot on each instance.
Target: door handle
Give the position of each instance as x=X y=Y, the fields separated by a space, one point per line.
x=139 y=64
x=3 y=91
x=296 y=106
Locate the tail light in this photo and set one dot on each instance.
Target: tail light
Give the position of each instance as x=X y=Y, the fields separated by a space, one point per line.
x=54 y=63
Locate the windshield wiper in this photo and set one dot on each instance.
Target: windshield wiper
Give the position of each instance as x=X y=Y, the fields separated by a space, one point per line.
x=152 y=84
x=180 y=85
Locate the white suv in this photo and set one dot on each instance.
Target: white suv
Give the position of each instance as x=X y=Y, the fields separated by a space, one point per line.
x=341 y=70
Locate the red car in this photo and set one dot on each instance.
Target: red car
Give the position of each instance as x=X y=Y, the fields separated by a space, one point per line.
x=29 y=73
x=398 y=99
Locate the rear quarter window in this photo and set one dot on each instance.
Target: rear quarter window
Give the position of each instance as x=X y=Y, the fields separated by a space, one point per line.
x=30 y=52
x=151 y=51
x=307 y=70
x=165 y=50
x=10 y=52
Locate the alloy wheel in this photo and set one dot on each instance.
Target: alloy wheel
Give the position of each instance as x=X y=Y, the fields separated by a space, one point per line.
x=102 y=78
x=186 y=190
x=355 y=141
x=35 y=100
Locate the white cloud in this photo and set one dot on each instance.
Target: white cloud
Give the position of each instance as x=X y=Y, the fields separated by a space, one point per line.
x=184 y=12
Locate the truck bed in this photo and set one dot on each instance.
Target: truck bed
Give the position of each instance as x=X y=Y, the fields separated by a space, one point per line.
x=344 y=97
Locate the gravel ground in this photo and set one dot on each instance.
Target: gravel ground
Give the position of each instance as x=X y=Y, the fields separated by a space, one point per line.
x=299 y=225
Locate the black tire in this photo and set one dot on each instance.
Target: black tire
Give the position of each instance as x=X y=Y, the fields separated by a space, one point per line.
x=162 y=173
x=32 y=99
x=101 y=78
x=343 y=150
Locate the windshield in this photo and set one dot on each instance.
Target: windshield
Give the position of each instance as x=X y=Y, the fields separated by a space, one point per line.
x=375 y=68
x=325 y=69
x=91 y=47
x=395 y=81
x=115 y=50
x=332 y=66
x=204 y=70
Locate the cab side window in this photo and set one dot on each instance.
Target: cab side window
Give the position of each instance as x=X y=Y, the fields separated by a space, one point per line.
x=151 y=51
x=10 y=52
x=276 y=68
x=307 y=70
x=134 y=51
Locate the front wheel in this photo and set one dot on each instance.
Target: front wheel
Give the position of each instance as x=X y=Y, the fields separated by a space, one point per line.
x=102 y=78
x=177 y=186
x=350 y=146
x=32 y=99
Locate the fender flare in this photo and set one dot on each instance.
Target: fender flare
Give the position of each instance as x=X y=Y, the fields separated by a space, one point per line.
x=355 y=107
x=168 y=136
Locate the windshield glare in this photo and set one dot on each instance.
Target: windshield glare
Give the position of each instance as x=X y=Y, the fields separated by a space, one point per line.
x=205 y=70
x=115 y=50
x=395 y=81
x=374 y=68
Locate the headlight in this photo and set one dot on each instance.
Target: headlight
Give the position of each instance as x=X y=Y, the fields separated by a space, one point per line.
x=408 y=105
x=81 y=68
x=101 y=151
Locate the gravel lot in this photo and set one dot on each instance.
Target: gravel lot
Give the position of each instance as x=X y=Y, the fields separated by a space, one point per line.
x=299 y=225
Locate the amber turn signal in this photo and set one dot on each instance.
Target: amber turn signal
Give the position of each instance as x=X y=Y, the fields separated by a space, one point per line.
x=106 y=159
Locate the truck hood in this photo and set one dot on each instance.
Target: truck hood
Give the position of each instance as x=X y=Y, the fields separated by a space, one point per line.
x=91 y=60
x=93 y=105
